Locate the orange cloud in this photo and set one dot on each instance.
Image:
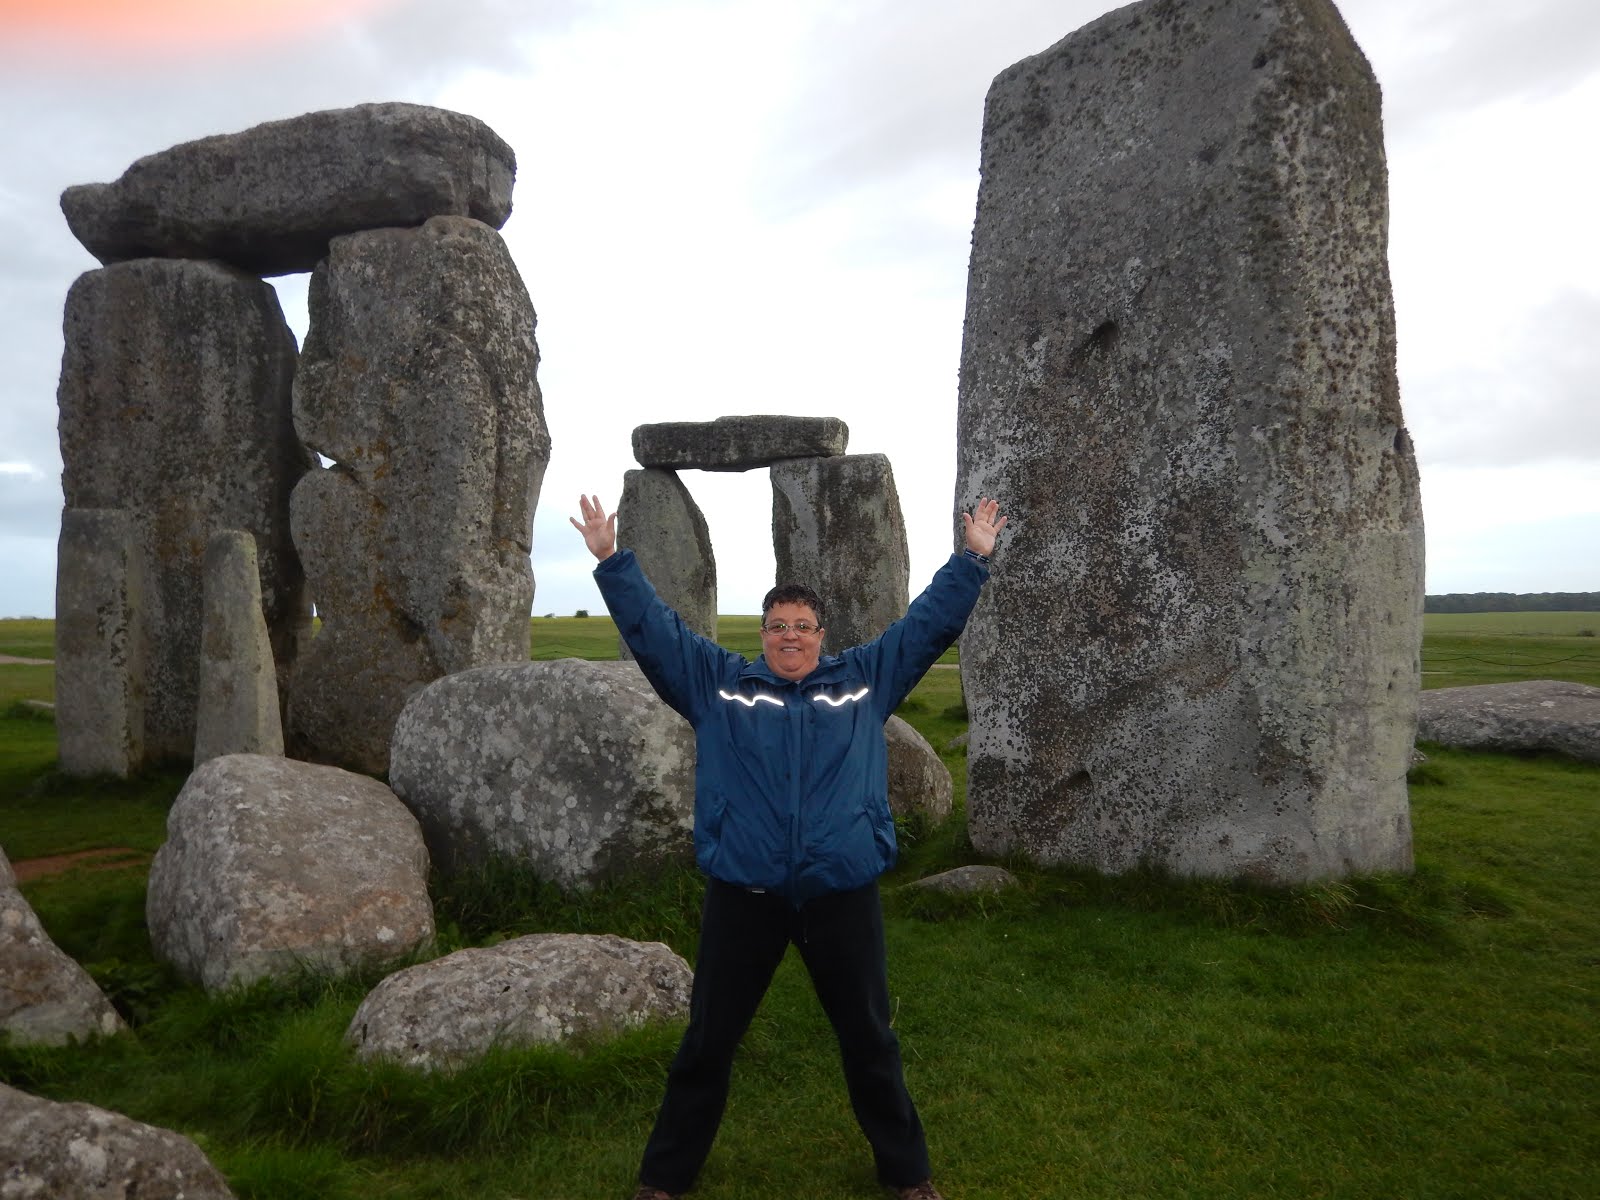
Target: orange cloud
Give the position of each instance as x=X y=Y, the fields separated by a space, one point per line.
x=143 y=25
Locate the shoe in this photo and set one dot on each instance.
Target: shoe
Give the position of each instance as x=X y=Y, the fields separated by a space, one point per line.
x=650 y=1193
x=919 y=1191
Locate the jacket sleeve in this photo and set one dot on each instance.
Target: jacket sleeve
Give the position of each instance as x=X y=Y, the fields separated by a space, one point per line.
x=900 y=656
x=682 y=666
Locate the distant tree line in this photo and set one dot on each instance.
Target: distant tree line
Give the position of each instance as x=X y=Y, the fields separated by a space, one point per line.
x=1456 y=602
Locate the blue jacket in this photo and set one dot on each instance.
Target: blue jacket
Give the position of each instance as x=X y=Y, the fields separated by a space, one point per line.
x=791 y=778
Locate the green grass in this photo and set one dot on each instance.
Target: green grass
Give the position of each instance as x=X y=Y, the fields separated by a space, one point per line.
x=28 y=637
x=1433 y=1035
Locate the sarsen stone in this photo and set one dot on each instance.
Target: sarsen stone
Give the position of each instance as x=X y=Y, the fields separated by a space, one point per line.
x=45 y=997
x=737 y=443
x=55 y=1151
x=576 y=767
x=272 y=866
x=271 y=198
x=1537 y=714
x=539 y=989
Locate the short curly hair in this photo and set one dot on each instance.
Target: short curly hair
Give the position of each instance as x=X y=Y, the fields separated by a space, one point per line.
x=792 y=593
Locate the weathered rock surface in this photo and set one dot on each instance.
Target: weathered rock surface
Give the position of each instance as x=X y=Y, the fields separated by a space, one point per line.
x=660 y=522
x=238 y=681
x=271 y=198
x=1539 y=714
x=737 y=443
x=100 y=659
x=45 y=997
x=539 y=989
x=56 y=1151
x=272 y=866
x=919 y=782
x=967 y=880
x=576 y=767
x=837 y=527
x=1200 y=645
x=175 y=406
x=419 y=380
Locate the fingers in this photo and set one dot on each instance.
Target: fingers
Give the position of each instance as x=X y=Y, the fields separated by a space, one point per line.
x=984 y=512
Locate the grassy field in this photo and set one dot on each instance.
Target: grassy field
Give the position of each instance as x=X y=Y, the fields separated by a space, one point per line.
x=1427 y=1036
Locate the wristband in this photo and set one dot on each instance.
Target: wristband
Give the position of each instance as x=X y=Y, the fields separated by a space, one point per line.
x=975 y=556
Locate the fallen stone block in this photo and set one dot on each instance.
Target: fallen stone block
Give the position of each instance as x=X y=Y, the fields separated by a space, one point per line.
x=1538 y=714
x=46 y=999
x=919 y=782
x=961 y=881
x=542 y=989
x=273 y=866
x=56 y=1151
x=574 y=767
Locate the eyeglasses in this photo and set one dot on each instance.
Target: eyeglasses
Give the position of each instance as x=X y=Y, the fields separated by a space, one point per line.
x=782 y=627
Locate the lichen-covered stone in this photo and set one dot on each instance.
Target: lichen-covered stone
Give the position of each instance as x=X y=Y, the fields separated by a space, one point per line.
x=56 y=1151
x=837 y=528
x=1199 y=649
x=273 y=866
x=175 y=407
x=1535 y=714
x=271 y=198
x=660 y=522
x=99 y=659
x=968 y=880
x=535 y=990
x=919 y=782
x=574 y=767
x=238 y=683
x=45 y=998
x=419 y=381
x=737 y=443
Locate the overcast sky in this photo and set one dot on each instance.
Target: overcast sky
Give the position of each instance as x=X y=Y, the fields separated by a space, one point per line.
x=736 y=206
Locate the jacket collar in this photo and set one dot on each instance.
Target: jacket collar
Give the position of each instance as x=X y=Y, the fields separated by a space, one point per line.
x=829 y=669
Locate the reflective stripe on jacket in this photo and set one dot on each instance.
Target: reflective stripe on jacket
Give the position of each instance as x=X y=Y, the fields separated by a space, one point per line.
x=791 y=778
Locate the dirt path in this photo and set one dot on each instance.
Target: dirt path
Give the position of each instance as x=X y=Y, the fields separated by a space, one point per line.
x=29 y=869
x=13 y=660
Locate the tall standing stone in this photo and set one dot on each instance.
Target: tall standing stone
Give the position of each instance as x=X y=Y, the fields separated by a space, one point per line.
x=238 y=685
x=100 y=657
x=660 y=522
x=837 y=527
x=1200 y=646
x=175 y=405
x=418 y=380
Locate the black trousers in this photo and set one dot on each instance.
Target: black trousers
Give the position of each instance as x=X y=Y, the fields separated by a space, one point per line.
x=743 y=937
